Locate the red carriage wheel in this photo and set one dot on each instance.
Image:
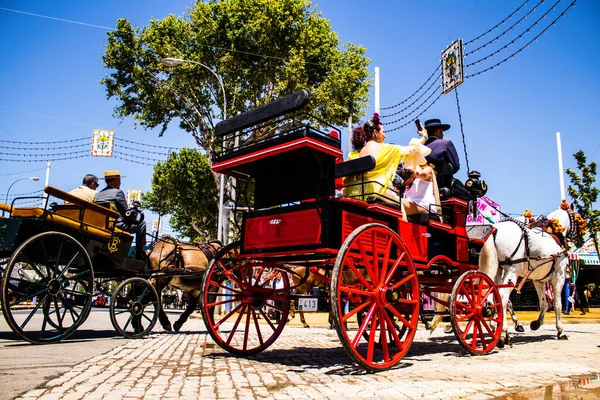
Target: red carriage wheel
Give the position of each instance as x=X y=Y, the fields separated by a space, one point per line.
x=374 y=273
x=242 y=310
x=476 y=312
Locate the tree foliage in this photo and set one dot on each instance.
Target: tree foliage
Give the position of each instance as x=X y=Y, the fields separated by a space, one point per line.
x=262 y=49
x=184 y=187
x=584 y=194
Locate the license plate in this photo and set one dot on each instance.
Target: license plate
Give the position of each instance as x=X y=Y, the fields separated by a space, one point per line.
x=308 y=304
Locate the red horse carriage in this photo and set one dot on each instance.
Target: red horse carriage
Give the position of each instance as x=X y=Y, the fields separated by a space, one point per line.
x=376 y=265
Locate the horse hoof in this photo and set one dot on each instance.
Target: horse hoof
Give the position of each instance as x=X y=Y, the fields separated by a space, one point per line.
x=519 y=328
x=167 y=328
x=177 y=326
x=562 y=337
x=306 y=326
x=500 y=344
x=448 y=329
x=535 y=325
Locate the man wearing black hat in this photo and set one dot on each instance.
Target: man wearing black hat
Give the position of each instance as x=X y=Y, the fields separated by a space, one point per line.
x=442 y=150
x=443 y=153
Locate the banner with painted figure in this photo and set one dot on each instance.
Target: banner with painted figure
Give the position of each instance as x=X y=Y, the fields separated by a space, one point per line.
x=102 y=143
x=487 y=212
x=134 y=195
x=452 y=66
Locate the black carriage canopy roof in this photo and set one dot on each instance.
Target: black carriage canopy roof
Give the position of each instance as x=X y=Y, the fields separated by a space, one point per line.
x=290 y=103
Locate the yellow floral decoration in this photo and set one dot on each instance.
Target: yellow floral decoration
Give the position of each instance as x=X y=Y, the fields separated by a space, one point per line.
x=556 y=226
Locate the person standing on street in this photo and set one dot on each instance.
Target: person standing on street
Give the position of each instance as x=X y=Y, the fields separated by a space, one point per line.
x=587 y=294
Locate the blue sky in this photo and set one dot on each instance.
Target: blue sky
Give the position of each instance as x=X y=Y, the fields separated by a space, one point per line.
x=51 y=71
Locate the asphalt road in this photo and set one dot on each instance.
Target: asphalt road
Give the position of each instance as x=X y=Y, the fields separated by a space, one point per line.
x=25 y=366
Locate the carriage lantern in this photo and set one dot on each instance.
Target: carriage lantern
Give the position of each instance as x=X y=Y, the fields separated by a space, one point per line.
x=476 y=187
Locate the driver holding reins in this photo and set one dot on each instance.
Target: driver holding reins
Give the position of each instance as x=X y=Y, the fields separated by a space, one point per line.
x=112 y=193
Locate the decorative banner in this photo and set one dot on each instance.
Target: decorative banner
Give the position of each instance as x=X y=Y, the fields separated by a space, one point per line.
x=134 y=195
x=452 y=66
x=487 y=212
x=102 y=143
x=155 y=226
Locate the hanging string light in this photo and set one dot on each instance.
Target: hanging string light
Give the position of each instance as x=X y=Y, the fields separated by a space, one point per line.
x=416 y=100
x=418 y=115
x=525 y=46
x=518 y=37
x=497 y=25
x=417 y=91
x=52 y=142
x=146 y=144
x=507 y=30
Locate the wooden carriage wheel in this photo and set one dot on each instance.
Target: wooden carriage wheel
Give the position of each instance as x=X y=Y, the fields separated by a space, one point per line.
x=476 y=312
x=375 y=273
x=134 y=308
x=242 y=311
x=47 y=288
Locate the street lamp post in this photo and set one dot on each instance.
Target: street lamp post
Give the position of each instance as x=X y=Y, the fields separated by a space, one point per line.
x=170 y=62
x=33 y=178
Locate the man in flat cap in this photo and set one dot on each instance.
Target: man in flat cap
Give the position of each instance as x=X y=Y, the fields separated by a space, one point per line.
x=112 y=193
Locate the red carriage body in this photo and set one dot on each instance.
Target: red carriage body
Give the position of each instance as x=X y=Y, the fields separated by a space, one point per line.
x=376 y=265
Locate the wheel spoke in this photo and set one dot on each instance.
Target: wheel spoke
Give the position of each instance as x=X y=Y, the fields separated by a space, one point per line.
x=355 y=310
x=383 y=335
x=357 y=274
x=37 y=307
x=257 y=327
x=372 y=337
x=226 y=317
x=27 y=298
x=237 y=322
x=383 y=277
x=365 y=259
x=363 y=326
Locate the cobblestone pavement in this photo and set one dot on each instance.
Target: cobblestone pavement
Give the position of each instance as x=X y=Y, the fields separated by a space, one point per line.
x=311 y=364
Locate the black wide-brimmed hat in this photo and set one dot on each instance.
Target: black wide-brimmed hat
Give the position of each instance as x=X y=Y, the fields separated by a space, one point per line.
x=436 y=123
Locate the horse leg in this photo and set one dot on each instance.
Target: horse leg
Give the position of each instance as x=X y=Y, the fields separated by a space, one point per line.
x=304 y=324
x=194 y=297
x=557 y=285
x=518 y=326
x=162 y=316
x=539 y=288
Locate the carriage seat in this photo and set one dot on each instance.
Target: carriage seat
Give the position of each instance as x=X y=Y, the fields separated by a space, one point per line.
x=76 y=214
x=447 y=184
x=354 y=183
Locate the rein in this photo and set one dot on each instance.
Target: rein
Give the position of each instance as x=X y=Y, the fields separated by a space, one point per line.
x=207 y=249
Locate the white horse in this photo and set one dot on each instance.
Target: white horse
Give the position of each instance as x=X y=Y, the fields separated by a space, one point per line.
x=537 y=254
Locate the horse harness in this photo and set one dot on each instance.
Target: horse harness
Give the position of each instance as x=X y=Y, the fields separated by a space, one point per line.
x=525 y=238
x=206 y=248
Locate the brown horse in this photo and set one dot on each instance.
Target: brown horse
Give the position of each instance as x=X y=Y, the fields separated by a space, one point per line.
x=304 y=285
x=183 y=265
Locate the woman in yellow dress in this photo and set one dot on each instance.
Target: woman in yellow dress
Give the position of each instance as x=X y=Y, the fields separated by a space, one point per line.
x=368 y=140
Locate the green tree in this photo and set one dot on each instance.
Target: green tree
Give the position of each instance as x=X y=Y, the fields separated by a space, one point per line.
x=184 y=187
x=262 y=49
x=584 y=194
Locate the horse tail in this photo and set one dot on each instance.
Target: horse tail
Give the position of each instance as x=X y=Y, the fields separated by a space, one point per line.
x=488 y=259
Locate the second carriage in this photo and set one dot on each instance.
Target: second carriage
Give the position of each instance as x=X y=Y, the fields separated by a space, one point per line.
x=58 y=258
x=377 y=266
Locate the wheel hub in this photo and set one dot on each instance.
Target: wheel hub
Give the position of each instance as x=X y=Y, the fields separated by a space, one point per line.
x=137 y=308
x=255 y=300
x=53 y=287
x=486 y=311
x=387 y=296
